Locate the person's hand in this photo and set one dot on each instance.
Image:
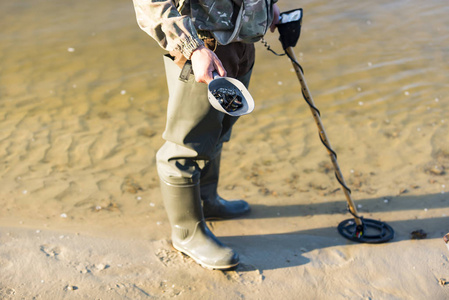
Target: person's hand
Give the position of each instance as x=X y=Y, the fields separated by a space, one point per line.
x=204 y=62
x=276 y=13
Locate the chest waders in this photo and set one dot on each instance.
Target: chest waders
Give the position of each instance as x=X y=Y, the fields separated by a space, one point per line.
x=194 y=134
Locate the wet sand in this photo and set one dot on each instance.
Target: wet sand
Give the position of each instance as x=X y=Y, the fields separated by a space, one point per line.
x=82 y=110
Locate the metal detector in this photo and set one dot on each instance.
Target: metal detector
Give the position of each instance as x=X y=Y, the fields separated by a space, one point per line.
x=357 y=229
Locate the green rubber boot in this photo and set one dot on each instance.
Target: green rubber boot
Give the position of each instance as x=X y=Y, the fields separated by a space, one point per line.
x=190 y=234
x=215 y=207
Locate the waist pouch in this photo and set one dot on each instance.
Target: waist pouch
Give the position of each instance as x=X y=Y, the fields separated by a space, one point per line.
x=230 y=21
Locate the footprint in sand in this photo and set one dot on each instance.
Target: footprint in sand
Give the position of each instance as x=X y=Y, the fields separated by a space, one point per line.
x=51 y=251
x=245 y=274
x=169 y=258
x=7 y=293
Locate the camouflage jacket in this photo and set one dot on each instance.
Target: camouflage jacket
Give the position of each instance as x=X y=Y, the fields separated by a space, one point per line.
x=175 y=26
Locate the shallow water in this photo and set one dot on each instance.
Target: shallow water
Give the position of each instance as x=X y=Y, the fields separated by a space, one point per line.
x=83 y=97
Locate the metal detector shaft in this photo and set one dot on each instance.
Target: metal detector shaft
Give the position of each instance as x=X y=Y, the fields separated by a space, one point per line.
x=323 y=135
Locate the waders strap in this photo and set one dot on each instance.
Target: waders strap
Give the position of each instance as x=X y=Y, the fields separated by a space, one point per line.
x=186 y=71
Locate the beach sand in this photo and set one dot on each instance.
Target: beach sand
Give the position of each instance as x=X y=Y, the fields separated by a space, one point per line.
x=82 y=111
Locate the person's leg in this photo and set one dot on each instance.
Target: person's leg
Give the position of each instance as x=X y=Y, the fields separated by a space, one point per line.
x=214 y=206
x=192 y=132
x=238 y=60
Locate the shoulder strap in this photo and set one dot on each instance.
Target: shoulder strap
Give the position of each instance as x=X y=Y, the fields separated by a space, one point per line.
x=225 y=37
